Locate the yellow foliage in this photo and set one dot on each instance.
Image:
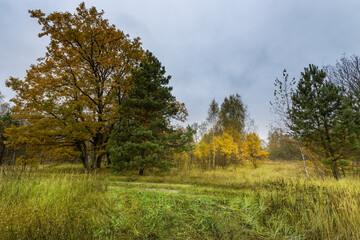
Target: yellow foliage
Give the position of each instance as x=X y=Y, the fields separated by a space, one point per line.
x=226 y=145
x=252 y=149
x=230 y=146
x=182 y=160
x=202 y=150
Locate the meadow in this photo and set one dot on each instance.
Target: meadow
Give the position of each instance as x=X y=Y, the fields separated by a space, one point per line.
x=274 y=201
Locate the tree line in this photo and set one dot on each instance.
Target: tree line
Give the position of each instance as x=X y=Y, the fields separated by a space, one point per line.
x=223 y=140
x=98 y=97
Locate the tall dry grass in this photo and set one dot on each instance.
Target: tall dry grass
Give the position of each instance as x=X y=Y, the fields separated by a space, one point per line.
x=61 y=206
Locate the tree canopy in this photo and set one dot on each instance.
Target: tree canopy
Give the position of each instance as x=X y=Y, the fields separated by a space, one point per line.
x=69 y=99
x=233 y=113
x=346 y=73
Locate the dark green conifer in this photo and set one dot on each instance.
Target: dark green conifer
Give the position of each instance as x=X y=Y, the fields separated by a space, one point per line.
x=144 y=137
x=325 y=118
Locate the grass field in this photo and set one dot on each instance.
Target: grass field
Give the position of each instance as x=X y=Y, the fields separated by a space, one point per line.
x=274 y=201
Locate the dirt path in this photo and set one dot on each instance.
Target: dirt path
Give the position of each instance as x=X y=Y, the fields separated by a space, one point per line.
x=147 y=189
x=152 y=183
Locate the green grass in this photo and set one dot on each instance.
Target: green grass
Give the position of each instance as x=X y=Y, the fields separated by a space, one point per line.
x=153 y=215
x=274 y=201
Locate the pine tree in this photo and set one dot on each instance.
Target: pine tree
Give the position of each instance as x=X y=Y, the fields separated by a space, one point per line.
x=325 y=118
x=144 y=137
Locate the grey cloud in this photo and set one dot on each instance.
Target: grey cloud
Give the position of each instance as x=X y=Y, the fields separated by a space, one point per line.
x=211 y=48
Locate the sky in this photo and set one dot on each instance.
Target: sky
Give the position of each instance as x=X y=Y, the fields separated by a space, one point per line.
x=211 y=48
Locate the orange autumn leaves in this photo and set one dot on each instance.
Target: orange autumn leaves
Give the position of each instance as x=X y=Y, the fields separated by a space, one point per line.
x=69 y=100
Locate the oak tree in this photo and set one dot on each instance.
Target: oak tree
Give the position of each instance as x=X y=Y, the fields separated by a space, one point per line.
x=69 y=99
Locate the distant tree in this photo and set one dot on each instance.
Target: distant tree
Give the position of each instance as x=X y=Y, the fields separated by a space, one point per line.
x=282 y=146
x=144 y=137
x=202 y=152
x=213 y=120
x=199 y=131
x=221 y=144
x=284 y=89
x=5 y=121
x=69 y=98
x=213 y=113
x=325 y=119
x=281 y=106
x=233 y=113
x=228 y=148
x=4 y=106
x=346 y=73
x=252 y=149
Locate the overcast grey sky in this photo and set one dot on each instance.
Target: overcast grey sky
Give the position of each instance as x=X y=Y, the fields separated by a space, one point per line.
x=212 y=48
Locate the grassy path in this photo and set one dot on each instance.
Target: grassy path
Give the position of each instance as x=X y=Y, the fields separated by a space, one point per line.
x=179 y=211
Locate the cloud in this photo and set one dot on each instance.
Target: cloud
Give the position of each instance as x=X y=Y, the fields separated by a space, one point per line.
x=211 y=48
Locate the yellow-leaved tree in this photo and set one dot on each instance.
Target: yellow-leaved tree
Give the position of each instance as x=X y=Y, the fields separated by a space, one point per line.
x=203 y=152
x=69 y=100
x=252 y=149
x=227 y=147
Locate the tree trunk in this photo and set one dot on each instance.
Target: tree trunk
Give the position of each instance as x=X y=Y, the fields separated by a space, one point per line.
x=304 y=161
x=6 y=153
x=343 y=171
x=213 y=142
x=305 y=166
x=93 y=160
x=254 y=164
x=108 y=158
x=98 y=145
x=2 y=151
x=14 y=156
x=81 y=146
x=98 y=160
x=214 y=161
x=335 y=170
